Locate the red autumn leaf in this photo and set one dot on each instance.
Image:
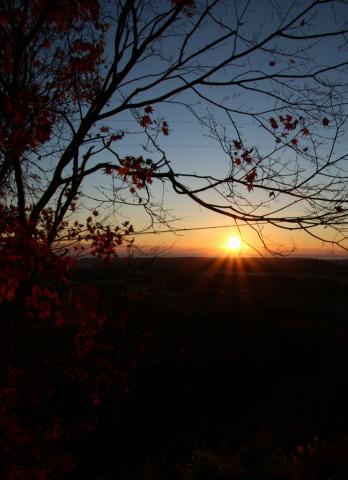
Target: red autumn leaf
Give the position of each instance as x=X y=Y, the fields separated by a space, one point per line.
x=305 y=131
x=165 y=128
x=273 y=123
x=237 y=161
x=115 y=137
x=104 y=129
x=251 y=176
x=237 y=144
x=145 y=121
x=294 y=141
x=326 y=122
x=148 y=109
x=289 y=126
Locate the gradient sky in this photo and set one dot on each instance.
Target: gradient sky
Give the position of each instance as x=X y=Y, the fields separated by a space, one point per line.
x=191 y=151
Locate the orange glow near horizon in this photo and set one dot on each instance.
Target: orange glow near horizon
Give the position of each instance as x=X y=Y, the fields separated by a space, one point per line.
x=217 y=243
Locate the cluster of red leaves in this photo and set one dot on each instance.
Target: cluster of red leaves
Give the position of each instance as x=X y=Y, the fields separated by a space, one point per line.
x=82 y=71
x=289 y=124
x=37 y=293
x=54 y=401
x=241 y=153
x=288 y=121
x=26 y=255
x=27 y=121
x=42 y=70
x=243 y=156
x=105 y=240
x=90 y=235
x=31 y=280
x=146 y=121
x=23 y=254
x=138 y=170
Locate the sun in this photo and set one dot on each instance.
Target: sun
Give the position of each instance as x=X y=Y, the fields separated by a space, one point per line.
x=234 y=243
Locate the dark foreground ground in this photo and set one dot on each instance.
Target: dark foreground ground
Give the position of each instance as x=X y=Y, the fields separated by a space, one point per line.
x=243 y=372
x=183 y=369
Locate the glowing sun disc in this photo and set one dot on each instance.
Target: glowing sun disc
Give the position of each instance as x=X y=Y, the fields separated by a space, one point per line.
x=234 y=243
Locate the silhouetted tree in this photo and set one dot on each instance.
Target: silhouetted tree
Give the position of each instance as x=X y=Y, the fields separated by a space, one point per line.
x=67 y=68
